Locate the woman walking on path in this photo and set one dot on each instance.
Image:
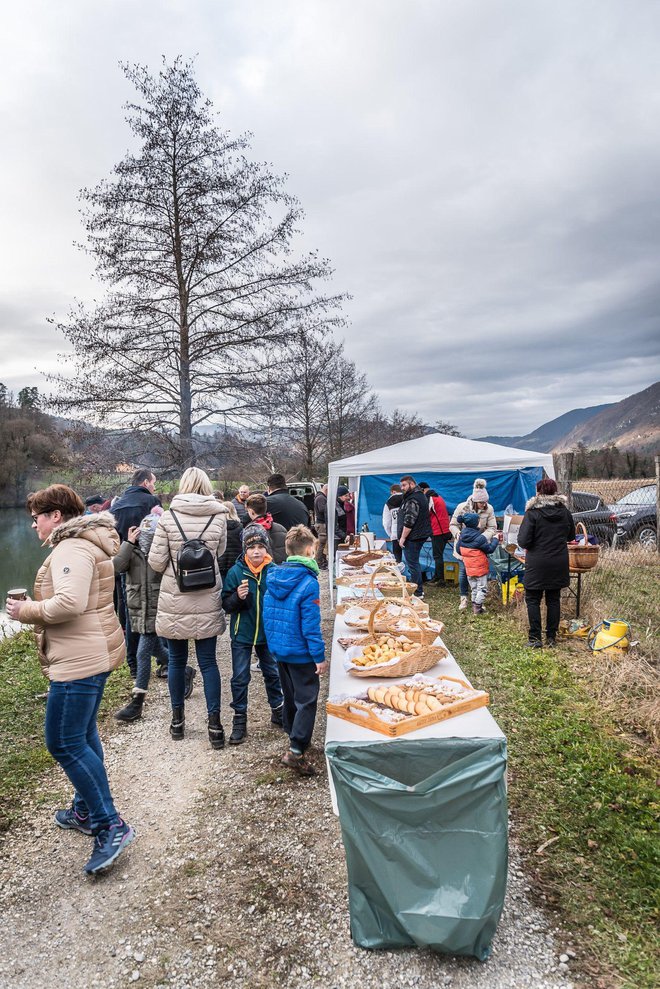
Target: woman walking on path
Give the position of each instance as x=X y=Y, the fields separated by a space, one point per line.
x=544 y=532
x=80 y=641
x=184 y=613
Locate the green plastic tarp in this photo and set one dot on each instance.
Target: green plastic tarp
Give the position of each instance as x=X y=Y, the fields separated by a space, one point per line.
x=424 y=826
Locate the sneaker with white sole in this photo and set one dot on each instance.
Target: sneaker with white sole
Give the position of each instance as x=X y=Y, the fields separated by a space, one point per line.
x=68 y=820
x=463 y=605
x=108 y=846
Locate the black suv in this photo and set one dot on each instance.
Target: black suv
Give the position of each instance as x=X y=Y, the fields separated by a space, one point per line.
x=636 y=518
x=598 y=518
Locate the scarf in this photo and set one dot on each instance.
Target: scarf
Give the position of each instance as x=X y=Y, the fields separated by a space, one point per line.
x=265 y=520
x=256 y=570
x=306 y=561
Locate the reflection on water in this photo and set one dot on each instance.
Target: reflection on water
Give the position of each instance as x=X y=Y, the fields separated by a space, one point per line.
x=21 y=553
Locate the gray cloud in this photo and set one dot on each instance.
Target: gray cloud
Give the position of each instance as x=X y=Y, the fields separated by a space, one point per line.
x=483 y=177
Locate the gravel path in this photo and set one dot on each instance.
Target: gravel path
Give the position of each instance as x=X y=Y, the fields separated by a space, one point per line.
x=237 y=877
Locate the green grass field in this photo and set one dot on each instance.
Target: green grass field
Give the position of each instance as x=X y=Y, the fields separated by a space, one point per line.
x=574 y=777
x=23 y=755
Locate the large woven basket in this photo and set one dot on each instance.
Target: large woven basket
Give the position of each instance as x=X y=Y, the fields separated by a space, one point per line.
x=582 y=557
x=420 y=659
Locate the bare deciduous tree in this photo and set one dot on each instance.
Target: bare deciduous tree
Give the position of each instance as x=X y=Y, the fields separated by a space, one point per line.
x=195 y=244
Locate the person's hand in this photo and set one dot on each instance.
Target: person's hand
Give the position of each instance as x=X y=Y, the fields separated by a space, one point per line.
x=322 y=668
x=14 y=607
x=243 y=590
x=133 y=533
x=402 y=543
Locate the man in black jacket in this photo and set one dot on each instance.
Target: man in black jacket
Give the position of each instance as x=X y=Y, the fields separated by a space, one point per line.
x=284 y=508
x=130 y=508
x=136 y=502
x=413 y=528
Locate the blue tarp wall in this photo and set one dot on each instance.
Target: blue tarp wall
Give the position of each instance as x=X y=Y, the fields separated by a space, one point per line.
x=505 y=487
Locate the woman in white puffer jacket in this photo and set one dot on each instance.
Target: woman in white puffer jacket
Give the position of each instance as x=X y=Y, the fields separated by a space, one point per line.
x=198 y=614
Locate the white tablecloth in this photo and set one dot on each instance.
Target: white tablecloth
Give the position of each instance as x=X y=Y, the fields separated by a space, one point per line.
x=474 y=724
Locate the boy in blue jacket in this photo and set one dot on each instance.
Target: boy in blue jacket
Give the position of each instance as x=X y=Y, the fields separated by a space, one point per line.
x=292 y=620
x=242 y=598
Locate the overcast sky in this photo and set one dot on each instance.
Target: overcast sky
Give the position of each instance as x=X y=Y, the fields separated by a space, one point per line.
x=483 y=175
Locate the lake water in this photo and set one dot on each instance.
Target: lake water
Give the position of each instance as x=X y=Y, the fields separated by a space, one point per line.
x=21 y=553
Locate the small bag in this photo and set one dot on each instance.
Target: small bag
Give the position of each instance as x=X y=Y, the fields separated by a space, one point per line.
x=195 y=566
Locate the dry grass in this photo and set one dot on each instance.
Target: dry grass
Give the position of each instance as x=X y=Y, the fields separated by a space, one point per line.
x=612 y=488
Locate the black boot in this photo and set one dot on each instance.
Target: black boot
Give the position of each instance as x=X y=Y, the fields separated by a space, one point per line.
x=177 y=726
x=276 y=716
x=216 y=732
x=190 y=675
x=133 y=710
x=238 y=729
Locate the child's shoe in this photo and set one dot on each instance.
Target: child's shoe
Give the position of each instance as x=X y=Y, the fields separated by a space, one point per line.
x=463 y=605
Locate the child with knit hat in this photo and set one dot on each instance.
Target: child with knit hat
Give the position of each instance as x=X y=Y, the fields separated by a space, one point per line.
x=487 y=523
x=242 y=598
x=475 y=549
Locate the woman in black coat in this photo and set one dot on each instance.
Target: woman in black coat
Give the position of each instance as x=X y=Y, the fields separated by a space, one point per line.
x=545 y=531
x=234 y=540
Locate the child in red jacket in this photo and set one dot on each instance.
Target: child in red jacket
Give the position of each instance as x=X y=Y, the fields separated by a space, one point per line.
x=475 y=549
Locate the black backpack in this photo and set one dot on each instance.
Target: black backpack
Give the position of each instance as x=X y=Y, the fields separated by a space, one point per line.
x=195 y=566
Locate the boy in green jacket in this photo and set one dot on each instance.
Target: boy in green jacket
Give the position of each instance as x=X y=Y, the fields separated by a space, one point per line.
x=242 y=598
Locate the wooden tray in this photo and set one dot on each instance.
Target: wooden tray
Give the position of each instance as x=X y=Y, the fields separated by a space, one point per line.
x=358 y=713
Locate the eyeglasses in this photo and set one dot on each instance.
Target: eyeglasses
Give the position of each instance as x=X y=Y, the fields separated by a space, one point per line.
x=35 y=517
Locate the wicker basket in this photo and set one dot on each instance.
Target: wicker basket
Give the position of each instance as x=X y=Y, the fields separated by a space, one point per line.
x=360 y=557
x=420 y=659
x=582 y=557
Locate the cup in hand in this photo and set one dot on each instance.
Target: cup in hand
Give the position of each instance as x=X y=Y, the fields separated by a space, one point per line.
x=17 y=594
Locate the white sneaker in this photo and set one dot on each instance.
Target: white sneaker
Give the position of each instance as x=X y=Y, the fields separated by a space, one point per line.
x=463 y=605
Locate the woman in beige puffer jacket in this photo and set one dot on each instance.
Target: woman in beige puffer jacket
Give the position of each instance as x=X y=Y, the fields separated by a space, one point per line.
x=80 y=642
x=196 y=615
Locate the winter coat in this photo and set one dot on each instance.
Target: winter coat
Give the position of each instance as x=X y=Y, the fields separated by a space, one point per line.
x=241 y=510
x=438 y=514
x=390 y=514
x=292 y=614
x=287 y=510
x=131 y=507
x=192 y=614
x=414 y=515
x=487 y=520
x=234 y=546
x=276 y=536
x=77 y=630
x=544 y=532
x=321 y=509
x=349 y=510
x=475 y=548
x=142 y=587
x=246 y=623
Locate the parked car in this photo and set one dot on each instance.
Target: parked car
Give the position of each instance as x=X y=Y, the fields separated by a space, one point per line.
x=598 y=518
x=636 y=517
x=306 y=492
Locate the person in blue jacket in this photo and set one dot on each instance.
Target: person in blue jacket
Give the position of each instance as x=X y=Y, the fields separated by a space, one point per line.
x=292 y=621
x=243 y=594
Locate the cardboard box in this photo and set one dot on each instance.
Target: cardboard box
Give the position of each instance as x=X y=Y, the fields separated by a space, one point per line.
x=510 y=531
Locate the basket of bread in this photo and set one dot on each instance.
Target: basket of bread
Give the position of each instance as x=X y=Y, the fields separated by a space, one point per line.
x=391 y=656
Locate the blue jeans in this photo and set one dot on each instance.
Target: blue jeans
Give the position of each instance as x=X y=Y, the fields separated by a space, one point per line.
x=300 y=686
x=411 y=550
x=241 y=653
x=148 y=646
x=463 y=582
x=208 y=665
x=72 y=739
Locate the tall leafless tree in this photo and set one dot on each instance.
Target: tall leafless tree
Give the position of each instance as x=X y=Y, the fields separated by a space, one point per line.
x=195 y=245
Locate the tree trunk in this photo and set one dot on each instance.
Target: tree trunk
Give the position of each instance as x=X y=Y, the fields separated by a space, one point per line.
x=564 y=472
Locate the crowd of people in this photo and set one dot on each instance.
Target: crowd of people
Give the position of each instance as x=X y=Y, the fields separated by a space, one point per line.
x=415 y=514
x=139 y=582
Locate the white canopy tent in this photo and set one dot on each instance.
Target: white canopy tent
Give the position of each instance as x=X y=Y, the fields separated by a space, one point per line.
x=436 y=452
